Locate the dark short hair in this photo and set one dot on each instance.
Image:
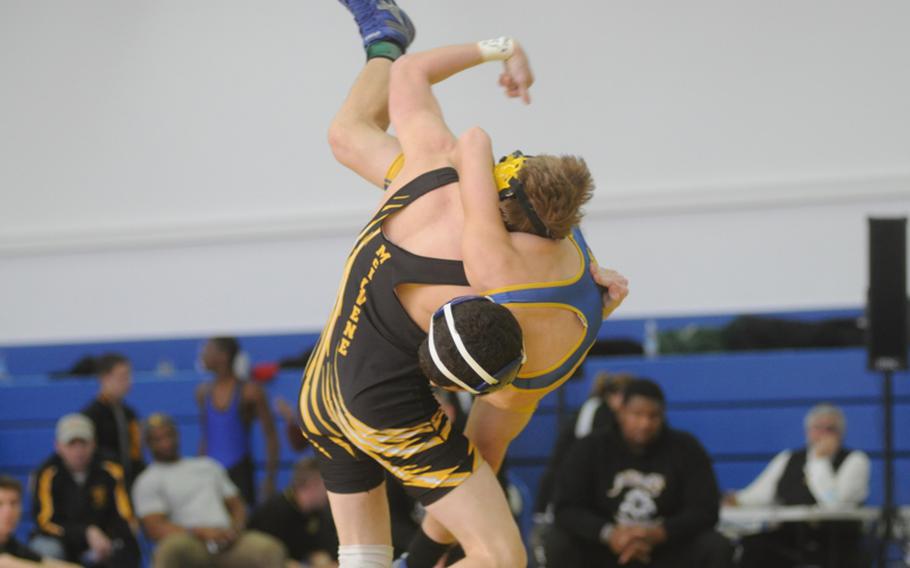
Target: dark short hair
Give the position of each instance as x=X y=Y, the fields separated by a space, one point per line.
x=304 y=471
x=490 y=333
x=107 y=362
x=645 y=388
x=227 y=345
x=11 y=484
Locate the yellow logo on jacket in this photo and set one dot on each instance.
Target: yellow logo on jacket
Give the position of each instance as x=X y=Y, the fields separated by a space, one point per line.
x=99 y=496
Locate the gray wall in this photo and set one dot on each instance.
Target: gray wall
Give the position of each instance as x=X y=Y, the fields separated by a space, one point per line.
x=163 y=165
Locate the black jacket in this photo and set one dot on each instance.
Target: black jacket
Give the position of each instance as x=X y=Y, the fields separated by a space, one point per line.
x=301 y=532
x=602 y=419
x=602 y=481
x=18 y=550
x=101 y=413
x=64 y=509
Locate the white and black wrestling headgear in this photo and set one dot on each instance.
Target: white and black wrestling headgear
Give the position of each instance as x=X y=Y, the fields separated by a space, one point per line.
x=480 y=380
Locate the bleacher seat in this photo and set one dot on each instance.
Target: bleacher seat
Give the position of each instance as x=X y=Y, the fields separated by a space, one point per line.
x=744 y=407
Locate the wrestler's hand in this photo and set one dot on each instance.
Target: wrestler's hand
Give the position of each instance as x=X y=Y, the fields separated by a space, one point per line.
x=615 y=285
x=517 y=76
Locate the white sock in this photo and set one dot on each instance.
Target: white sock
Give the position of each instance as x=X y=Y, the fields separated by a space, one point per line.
x=364 y=556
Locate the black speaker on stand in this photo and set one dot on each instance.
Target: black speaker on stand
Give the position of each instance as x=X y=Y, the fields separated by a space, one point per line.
x=886 y=312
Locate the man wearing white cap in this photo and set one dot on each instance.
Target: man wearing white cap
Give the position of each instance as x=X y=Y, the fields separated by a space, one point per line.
x=81 y=508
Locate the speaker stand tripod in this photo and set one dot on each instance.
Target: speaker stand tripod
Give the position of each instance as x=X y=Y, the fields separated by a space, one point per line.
x=889 y=510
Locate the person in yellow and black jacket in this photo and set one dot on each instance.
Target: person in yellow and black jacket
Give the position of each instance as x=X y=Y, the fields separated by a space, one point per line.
x=117 y=432
x=81 y=507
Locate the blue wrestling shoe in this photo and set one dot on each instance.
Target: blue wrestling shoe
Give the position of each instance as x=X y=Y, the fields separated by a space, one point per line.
x=381 y=20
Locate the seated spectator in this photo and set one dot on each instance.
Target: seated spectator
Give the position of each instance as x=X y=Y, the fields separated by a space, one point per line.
x=404 y=511
x=823 y=473
x=10 y=513
x=300 y=518
x=81 y=507
x=227 y=408
x=116 y=425
x=640 y=495
x=14 y=554
x=597 y=412
x=192 y=510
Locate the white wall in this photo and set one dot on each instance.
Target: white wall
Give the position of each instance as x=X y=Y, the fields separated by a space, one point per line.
x=163 y=168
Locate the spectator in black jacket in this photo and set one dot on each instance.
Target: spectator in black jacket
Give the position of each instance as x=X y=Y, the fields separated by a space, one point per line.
x=10 y=513
x=596 y=413
x=299 y=517
x=642 y=495
x=117 y=431
x=14 y=554
x=81 y=508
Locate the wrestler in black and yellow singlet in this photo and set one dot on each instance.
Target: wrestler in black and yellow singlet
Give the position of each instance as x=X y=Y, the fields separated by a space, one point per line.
x=364 y=402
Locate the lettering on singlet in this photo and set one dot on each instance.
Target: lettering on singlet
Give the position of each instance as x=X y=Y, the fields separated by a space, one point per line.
x=350 y=326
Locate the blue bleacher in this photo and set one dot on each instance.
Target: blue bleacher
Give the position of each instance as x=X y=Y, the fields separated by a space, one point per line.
x=28 y=413
x=145 y=355
x=744 y=407
x=183 y=353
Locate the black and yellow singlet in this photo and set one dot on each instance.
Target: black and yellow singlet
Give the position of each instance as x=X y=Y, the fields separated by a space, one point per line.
x=364 y=403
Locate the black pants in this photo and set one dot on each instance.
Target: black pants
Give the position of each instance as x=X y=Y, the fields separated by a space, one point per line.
x=126 y=554
x=242 y=474
x=828 y=545
x=707 y=549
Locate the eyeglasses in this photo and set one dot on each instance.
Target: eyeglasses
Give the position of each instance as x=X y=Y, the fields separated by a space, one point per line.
x=502 y=377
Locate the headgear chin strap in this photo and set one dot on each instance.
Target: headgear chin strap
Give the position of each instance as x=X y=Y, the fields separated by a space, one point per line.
x=510 y=187
x=489 y=382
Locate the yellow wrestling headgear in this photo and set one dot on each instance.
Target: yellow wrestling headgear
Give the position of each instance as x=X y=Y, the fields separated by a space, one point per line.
x=510 y=187
x=506 y=171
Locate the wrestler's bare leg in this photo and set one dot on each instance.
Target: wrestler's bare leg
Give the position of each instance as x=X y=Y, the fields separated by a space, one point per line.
x=494 y=421
x=357 y=135
x=477 y=514
x=362 y=518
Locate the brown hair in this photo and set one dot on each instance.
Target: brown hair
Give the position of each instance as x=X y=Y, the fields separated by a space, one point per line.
x=606 y=384
x=557 y=187
x=11 y=484
x=304 y=470
x=109 y=361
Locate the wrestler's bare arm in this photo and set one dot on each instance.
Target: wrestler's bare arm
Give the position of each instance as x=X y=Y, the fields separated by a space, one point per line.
x=357 y=135
x=489 y=257
x=414 y=110
x=415 y=113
